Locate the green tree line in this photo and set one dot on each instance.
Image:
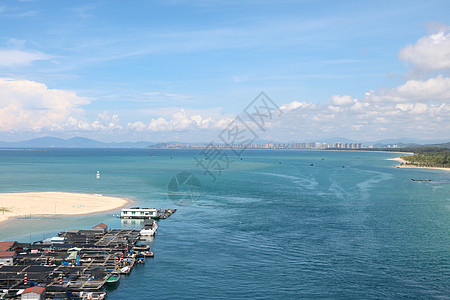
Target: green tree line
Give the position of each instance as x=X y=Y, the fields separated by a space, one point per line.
x=440 y=158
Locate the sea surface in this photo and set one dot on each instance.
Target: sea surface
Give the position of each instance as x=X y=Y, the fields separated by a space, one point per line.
x=272 y=224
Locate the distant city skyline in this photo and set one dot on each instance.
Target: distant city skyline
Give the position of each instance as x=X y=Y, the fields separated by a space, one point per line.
x=80 y=142
x=271 y=145
x=183 y=70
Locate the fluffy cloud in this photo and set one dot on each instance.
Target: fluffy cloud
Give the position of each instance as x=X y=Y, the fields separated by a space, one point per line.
x=414 y=108
x=365 y=119
x=27 y=105
x=13 y=58
x=437 y=88
x=31 y=106
x=294 y=105
x=342 y=100
x=180 y=121
x=430 y=53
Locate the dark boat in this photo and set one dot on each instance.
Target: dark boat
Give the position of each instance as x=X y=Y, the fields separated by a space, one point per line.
x=140 y=258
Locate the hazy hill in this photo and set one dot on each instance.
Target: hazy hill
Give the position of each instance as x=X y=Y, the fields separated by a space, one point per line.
x=76 y=142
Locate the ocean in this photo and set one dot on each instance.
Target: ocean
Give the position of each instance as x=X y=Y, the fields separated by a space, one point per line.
x=270 y=224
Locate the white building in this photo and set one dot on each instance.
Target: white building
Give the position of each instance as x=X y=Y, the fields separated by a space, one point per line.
x=34 y=293
x=7 y=258
x=138 y=213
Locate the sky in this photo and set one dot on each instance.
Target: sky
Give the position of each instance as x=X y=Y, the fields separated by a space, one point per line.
x=180 y=70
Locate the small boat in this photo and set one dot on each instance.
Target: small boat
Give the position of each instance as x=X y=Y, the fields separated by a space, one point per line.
x=125 y=270
x=98 y=175
x=92 y=295
x=113 y=278
x=140 y=258
x=148 y=254
x=149 y=229
x=141 y=247
x=413 y=179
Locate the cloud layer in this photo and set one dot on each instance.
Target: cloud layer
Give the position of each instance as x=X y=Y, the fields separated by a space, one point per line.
x=429 y=53
x=31 y=106
x=14 y=58
x=417 y=107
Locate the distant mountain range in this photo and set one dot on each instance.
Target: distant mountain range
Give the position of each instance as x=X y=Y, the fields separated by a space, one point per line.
x=76 y=142
x=80 y=142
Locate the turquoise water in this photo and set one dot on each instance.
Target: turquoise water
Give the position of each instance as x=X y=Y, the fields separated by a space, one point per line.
x=271 y=226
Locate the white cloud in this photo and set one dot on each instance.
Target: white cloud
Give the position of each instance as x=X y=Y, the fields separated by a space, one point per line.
x=342 y=100
x=180 y=121
x=138 y=126
x=437 y=88
x=295 y=104
x=414 y=108
x=13 y=58
x=31 y=106
x=367 y=119
x=166 y=96
x=431 y=52
x=27 y=105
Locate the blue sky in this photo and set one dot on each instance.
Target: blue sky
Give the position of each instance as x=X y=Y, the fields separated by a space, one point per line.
x=181 y=70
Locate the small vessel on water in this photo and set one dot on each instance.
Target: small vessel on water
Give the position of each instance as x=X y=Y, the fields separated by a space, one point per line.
x=141 y=248
x=125 y=270
x=98 y=175
x=148 y=253
x=149 y=229
x=113 y=278
x=92 y=295
x=413 y=179
x=140 y=258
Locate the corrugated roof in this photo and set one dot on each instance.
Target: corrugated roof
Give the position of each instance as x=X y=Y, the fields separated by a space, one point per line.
x=34 y=289
x=101 y=225
x=7 y=253
x=4 y=246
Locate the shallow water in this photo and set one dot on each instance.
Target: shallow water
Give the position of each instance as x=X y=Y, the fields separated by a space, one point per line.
x=271 y=226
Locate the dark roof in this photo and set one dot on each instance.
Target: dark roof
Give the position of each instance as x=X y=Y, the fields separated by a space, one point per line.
x=7 y=254
x=10 y=276
x=34 y=289
x=5 y=246
x=41 y=269
x=29 y=255
x=38 y=276
x=11 y=269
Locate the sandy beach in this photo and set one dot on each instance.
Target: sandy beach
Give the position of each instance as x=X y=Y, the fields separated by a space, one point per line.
x=404 y=165
x=55 y=203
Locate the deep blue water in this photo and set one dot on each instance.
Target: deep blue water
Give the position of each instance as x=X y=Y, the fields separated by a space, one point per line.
x=271 y=226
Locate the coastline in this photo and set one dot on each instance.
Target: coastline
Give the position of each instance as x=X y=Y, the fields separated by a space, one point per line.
x=404 y=165
x=56 y=204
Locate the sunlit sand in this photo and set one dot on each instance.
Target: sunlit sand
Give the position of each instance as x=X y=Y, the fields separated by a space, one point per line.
x=55 y=203
x=404 y=165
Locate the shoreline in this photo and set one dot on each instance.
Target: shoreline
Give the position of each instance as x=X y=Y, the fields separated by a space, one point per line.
x=54 y=204
x=404 y=165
